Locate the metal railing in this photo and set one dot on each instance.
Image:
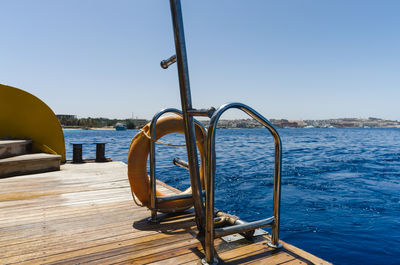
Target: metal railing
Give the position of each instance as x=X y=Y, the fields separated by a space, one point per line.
x=153 y=195
x=204 y=214
x=210 y=232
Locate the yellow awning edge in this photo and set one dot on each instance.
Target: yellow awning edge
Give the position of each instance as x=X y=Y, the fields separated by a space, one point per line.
x=24 y=116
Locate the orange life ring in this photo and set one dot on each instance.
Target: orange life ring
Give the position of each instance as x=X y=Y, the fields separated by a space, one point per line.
x=139 y=150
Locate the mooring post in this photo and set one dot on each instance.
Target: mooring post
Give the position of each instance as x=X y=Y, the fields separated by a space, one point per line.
x=77 y=153
x=100 y=152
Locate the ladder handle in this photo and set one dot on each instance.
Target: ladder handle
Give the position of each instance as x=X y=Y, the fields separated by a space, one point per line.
x=153 y=198
x=210 y=172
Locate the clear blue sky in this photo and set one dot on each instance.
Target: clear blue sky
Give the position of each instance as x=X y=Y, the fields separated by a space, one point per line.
x=299 y=59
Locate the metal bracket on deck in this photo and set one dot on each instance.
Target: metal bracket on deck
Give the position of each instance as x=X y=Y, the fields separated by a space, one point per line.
x=236 y=237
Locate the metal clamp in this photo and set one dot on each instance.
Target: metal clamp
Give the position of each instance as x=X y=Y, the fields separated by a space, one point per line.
x=180 y=163
x=202 y=112
x=166 y=63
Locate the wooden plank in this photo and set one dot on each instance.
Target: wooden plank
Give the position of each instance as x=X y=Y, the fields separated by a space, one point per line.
x=28 y=164
x=85 y=214
x=68 y=225
x=13 y=147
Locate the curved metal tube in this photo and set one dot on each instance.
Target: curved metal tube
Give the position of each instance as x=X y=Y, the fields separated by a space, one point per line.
x=153 y=197
x=210 y=173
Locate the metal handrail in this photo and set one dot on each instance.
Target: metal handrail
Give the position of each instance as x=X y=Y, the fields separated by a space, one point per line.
x=187 y=113
x=210 y=181
x=153 y=197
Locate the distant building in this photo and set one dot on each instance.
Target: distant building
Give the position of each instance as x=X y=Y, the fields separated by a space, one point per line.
x=139 y=123
x=284 y=123
x=66 y=116
x=374 y=119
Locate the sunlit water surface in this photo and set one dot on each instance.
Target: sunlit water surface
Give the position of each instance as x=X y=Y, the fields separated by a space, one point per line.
x=340 y=187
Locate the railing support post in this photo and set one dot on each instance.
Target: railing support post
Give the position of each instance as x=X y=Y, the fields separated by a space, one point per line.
x=186 y=102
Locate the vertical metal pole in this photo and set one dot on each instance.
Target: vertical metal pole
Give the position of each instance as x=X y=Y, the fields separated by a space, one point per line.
x=186 y=102
x=277 y=193
x=153 y=186
x=210 y=172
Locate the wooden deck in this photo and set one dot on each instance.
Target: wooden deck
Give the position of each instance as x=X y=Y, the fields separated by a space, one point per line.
x=84 y=214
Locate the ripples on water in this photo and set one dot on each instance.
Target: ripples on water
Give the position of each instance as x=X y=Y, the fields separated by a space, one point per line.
x=340 y=187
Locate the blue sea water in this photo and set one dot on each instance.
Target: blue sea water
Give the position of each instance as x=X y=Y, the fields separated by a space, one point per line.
x=340 y=187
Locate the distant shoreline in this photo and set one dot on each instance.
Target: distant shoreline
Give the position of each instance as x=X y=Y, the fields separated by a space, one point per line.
x=90 y=128
x=70 y=122
x=113 y=129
